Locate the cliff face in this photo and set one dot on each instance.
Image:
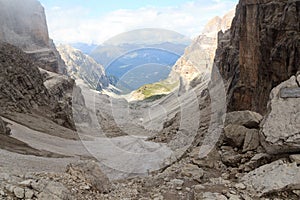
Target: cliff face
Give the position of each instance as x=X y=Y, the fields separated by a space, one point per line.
x=260 y=50
x=23 y=24
x=22 y=88
x=84 y=67
x=198 y=57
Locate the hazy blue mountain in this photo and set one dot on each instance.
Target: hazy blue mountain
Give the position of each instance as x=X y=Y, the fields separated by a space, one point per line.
x=140 y=57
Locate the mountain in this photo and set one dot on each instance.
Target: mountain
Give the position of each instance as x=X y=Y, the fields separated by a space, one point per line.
x=147 y=54
x=194 y=65
x=81 y=66
x=260 y=50
x=84 y=48
x=24 y=25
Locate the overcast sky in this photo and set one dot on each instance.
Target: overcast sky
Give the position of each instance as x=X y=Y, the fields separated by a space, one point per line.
x=95 y=21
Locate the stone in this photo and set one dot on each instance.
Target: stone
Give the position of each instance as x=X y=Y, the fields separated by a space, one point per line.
x=54 y=190
x=26 y=183
x=210 y=196
x=295 y=158
x=280 y=132
x=236 y=134
x=90 y=172
x=246 y=118
x=4 y=130
x=258 y=160
x=19 y=192
x=193 y=171
x=240 y=186
x=251 y=141
x=272 y=177
x=29 y=194
x=177 y=182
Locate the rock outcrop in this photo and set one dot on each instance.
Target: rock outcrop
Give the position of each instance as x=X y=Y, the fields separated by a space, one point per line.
x=4 y=130
x=22 y=87
x=260 y=50
x=23 y=24
x=281 y=126
x=81 y=66
x=197 y=61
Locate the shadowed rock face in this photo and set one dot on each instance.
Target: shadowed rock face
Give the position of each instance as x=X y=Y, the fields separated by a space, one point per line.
x=260 y=50
x=23 y=24
x=22 y=87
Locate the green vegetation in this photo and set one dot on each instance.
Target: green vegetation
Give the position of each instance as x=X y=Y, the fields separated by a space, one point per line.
x=156 y=89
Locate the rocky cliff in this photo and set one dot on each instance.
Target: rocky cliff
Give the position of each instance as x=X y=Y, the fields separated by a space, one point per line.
x=22 y=88
x=23 y=24
x=81 y=66
x=260 y=50
x=198 y=57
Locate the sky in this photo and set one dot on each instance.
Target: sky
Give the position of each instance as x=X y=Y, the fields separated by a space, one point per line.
x=95 y=21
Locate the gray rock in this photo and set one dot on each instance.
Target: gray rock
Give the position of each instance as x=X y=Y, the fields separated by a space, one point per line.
x=19 y=192
x=54 y=190
x=235 y=135
x=251 y=141
x=177 y=182
x=281 y=127
x=210 y=196
x=272 y=177
x=4 y=130
x=295 y=158
x=193 y=171
x=29 y=194
x=244 y=118
x=90 y=172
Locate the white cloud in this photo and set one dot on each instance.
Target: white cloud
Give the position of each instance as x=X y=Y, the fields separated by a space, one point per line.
x=75 y=24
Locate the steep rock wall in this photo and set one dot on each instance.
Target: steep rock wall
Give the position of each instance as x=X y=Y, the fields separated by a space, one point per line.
x=260 y=50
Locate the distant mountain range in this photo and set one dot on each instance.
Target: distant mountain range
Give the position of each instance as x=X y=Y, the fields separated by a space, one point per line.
x=140 y=57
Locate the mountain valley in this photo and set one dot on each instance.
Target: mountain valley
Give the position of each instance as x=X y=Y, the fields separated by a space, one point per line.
x=218 y=118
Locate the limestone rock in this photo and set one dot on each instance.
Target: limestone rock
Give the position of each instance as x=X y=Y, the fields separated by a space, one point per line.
x=23 y=24
x=55 y=191
x=235 y=135
x=295 y=158
x=272 y=177
x=4 y=130
x=19 y=192
x=260 y=50
x=280 y=128
x=244 y=118
x=90 y=172
x=84 y=67
x=251 y=141
x=193 y=171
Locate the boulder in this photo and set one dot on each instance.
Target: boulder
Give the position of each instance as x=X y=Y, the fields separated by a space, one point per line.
x=245 y=118
x=192 y=171
x=4 y=130
x=56 y=191
x=281 y=126
x=241 y=137
x=295 y=158
x=251 y=141
x=90 y=172
x=272 y=177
